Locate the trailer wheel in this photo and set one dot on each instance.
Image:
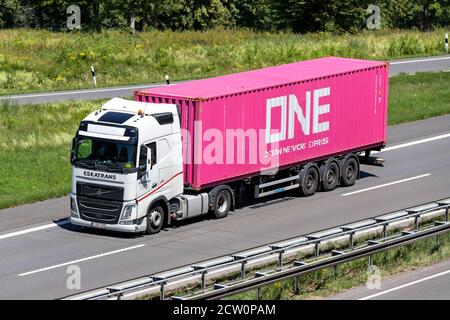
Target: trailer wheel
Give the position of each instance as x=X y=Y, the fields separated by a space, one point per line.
x=309 y=182
x=330 y=176
x=350 y=171
x=221 y=204
x=155 y=219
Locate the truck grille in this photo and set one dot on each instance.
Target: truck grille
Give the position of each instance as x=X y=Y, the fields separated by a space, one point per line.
x=98 y=210
x=100 y=191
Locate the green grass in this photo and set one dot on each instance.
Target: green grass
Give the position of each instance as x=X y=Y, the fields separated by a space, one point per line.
x=39 y=60
x=34 y=150
x=417 y=97
x=35 y=139
x=324 y=283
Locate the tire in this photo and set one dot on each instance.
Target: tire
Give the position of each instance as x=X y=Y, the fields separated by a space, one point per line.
x=155 y=219
x=350 y=172
x=222 y=204
x=309 y=182
x=330 y=176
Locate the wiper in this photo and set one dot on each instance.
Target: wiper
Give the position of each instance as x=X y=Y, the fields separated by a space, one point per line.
x=110 y=167
x=83 y=163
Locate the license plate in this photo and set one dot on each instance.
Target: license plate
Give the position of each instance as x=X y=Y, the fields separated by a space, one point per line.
x=98 y=225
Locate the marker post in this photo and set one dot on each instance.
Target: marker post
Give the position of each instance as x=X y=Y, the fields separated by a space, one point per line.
x=94 y=79
x=446 y=42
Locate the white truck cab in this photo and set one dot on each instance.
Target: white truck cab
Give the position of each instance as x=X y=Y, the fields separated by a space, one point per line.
x=127 y=166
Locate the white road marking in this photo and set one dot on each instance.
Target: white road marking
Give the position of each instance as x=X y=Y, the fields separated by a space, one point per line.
x=39 y=228
x=413 y=143
x=386 y=184
x=81 y=260
x=78 y=92
x=405 y=285
x=420 y=60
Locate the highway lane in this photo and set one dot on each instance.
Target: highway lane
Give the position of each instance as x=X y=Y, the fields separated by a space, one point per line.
x=427 y=283
x=437 y=63
x=419 y=65
x=34 y=264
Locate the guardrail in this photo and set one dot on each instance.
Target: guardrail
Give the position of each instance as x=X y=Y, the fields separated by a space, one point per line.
x=277 y=252
x=300 y=267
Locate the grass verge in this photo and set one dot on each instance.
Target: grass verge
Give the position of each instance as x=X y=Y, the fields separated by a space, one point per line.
x=323 y=283
x=34 y=149
x=39 y=60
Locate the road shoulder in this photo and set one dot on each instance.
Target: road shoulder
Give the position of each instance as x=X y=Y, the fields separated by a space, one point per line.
x=423 y=283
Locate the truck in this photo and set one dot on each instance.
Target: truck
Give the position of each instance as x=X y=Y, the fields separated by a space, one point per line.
x=209 y=146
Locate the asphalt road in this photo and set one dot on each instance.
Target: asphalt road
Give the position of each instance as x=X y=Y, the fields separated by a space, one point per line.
x=396 y=67
x=34 y=261
x=428 y=283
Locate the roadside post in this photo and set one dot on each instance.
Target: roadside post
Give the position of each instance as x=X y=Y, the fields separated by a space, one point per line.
x=94 y=79
x=446 y=42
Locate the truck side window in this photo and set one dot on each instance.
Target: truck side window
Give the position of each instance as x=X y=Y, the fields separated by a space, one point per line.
x=152 y=147
x=143 y=156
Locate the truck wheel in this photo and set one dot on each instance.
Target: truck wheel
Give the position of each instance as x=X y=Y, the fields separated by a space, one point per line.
x=350 y=171
x=222 y=204
x=310 y=182
x=330 y=176
x=155 y=219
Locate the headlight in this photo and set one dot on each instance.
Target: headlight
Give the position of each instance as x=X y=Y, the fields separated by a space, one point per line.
x=128 y=212
x=73 y=208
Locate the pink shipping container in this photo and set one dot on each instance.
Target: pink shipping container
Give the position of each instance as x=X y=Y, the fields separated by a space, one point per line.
x=300 y=112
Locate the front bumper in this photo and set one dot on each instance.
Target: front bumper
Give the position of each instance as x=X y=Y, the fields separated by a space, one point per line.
x=131 y=228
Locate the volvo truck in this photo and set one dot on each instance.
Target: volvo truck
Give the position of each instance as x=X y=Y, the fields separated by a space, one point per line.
x=207 y=146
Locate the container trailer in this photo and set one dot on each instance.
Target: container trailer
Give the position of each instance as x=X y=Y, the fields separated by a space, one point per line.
x=205 y=146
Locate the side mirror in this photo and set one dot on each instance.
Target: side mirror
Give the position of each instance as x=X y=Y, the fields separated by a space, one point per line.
x=72 y=151
x=143 y=161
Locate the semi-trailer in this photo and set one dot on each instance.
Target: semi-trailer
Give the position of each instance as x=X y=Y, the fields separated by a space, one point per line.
x=206 y=146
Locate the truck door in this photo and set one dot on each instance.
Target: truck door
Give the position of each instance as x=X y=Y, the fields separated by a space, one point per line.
x=149 y=181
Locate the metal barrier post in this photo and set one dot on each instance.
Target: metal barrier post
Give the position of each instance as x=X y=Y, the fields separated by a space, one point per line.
x=161 y=289
x=351 y=240
x=243 y=268
x=335 y=267
x=258 y=289
x=446 y=213
x=297 y=278
x=203 y=271
x=280 y=259
x=203 y=279
x=161 y=292
x=296 y=285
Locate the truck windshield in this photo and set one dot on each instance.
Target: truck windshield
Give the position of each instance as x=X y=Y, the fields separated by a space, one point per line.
x=104 y=154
